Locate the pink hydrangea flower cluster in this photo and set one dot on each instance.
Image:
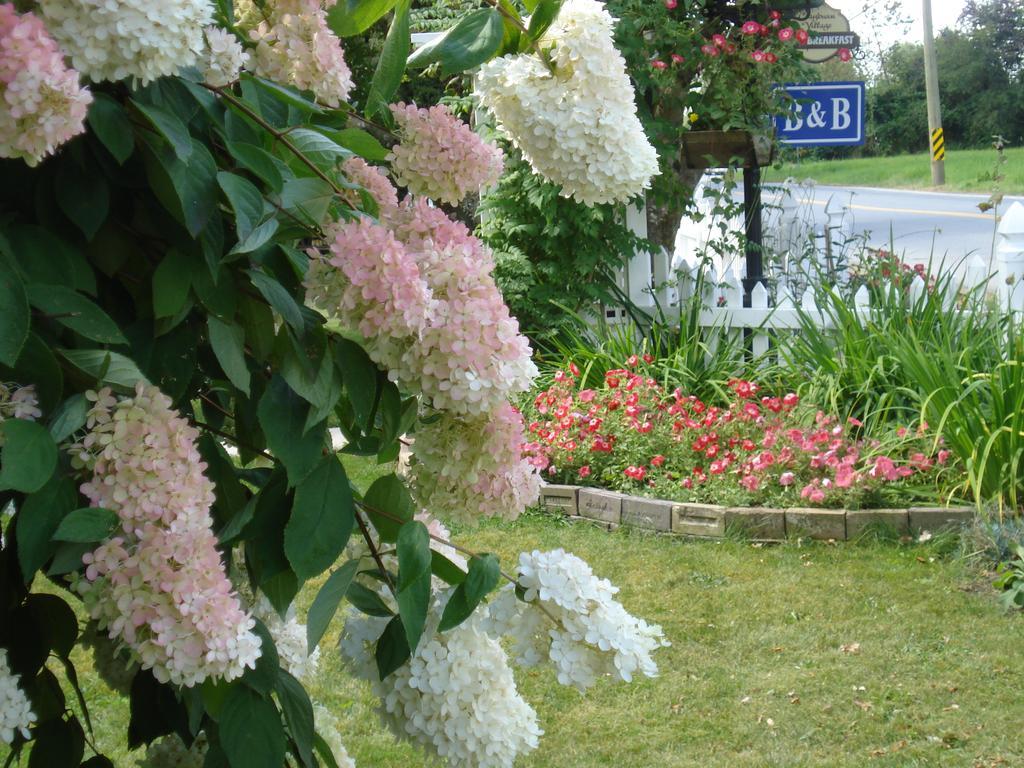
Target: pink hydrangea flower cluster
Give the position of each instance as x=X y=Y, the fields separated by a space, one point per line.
x=423 y=296
x=42 y=104
x=440 y=156
x=159 y=585
x=464 y=468
x=18 y=403
x=295 y=45
x=373 y=180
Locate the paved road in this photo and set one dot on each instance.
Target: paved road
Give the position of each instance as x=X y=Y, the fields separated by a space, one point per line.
x=917 y=224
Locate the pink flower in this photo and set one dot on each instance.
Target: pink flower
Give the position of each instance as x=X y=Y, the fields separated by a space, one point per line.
x=709 y=50
x=635 y=473
x=785 y=34
x=774 y=15
x=647 y=358
x=584 y=471
x=844 y=54
x=686 y=483
x=751 y=28
x=718 y=40
x=770 y=58
x=574 y=369
x=750 y=482
x=786 y=478
x=645 y=427
x=657 y=461
x=587 y=395
x=671 y=4
x=658 y=64
x=42 y=104
x=790 y=400
x=757 y=55
x=901 y=432
x=439 y=155
x=813 y=493
x=943 y=456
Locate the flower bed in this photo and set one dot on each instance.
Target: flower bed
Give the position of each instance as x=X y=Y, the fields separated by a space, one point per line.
x=632 y=435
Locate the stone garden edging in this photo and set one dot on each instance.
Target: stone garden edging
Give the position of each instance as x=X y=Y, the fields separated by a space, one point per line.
x=611 y=509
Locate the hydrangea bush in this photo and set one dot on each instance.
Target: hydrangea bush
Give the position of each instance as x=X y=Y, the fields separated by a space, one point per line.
x=752 y=449
x=207 y=256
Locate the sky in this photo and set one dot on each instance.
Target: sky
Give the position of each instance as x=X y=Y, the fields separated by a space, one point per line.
x=944 y=14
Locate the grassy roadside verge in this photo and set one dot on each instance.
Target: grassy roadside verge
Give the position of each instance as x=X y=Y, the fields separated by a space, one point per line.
x=967 y=170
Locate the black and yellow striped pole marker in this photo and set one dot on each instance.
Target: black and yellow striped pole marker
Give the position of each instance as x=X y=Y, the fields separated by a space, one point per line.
x=938 y=145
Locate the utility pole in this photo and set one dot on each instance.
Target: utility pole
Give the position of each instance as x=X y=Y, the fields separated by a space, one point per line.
x=936 y=141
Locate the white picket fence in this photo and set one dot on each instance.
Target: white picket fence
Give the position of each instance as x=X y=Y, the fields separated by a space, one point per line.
x=650 y=283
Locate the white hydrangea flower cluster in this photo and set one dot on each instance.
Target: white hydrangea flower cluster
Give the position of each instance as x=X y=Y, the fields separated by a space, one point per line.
x=289 y=638
x=576 y=126
x=594 y=635
x=224 y=57
x=326 y=725
x=118 y=39
x=456 y=697
x=463 y=468
x=18 y=403
x=170 y=752
x=16 y=713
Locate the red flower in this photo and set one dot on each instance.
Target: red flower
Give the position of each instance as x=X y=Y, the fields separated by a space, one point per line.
x=751 y=28
x=844 y=54
x=574 y=369
x=757 y=55
x=676 y=59
x=584 y=471
x=658 y=64
x=770 y=58
x=644 y=428
x=657 y=461
x=774 y=15
x=709 y=50
x=718 y=40
x=744 y=389
x=561 y=376
x=802 y=37
x=635 y=473
x=786 y=34
x=671 y=4
x=650 y=358
x=790 y=400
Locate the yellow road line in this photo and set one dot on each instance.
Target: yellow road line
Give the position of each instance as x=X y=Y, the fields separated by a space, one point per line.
x=916 y=211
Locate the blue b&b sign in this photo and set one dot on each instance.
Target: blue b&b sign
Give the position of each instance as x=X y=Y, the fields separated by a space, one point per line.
x=823 y=115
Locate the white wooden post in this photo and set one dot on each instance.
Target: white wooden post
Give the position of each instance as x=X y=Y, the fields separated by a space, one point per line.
x=759 y=300
x=1010 y=257
x=732 y=289
x=638 y=269
x=666 y=294
x=977 y=273
x=917 y=290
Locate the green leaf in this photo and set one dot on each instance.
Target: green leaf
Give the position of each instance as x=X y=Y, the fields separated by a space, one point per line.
x=484 y=572
x=388 y=494
x=391 y=64
x=228 y=342
x=282 y=415
x=358 y=141
x=307 y=198
x=258 y=161
x=171 y=280
x=541 y=18
x=46 y=258
x=86 y=525
x=37 y=365
x=321 y=521
x=359 y=375
x=38 y=518
x=188 y=190
x=57 y=742
x=323 y=152
x=298 y=714
x=111 y=126
x=366 y=600
x=56 y=622
x=83 y=195
x=263 y=677
x=168 y=126
x=75 y=311
x=445 y=569
x=14 y=315
x=259 y=237
x=353 y=17
x=105 y=367
x=279 y=298
x=413 y=579
x=284 y=94
x=28 y=456
x=323 y=751
x=67 y=557
x=246 y=201
x=325 y=604
x=69 y=417
x=392 y=648
x=471 y=42
x=250 y=730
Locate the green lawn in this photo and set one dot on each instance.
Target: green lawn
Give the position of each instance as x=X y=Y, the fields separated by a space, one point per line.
x=757 y=675
x=967 y=170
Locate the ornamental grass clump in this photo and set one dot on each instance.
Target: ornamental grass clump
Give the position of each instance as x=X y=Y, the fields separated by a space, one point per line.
x=633 y=435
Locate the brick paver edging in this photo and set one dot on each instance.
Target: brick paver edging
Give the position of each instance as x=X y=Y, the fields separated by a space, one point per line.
x=612 y=509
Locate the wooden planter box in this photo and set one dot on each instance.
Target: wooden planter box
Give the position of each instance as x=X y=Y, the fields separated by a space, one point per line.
x=720 y=149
